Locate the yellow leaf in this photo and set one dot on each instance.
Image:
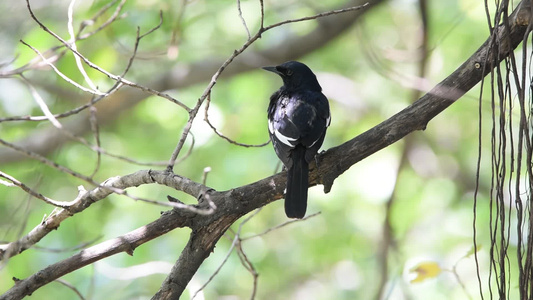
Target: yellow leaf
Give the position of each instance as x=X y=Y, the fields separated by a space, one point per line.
x=425 y=270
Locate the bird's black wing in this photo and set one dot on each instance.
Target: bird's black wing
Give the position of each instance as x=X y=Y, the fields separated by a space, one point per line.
x=298 y=118
x=297 y=127
x=313 y=123
x=283 y=133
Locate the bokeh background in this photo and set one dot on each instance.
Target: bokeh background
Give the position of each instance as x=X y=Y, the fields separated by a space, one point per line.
x=422 y=186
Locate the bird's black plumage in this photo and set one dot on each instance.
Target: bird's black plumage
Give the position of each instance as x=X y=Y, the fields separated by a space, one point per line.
x=298 y=116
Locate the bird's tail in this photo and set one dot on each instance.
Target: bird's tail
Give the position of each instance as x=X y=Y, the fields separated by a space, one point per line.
x=297 y=185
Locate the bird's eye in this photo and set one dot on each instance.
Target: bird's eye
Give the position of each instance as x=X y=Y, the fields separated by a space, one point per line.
x=289 y=72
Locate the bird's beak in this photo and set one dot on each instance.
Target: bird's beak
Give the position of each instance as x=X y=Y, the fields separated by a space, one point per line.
x=272 y=69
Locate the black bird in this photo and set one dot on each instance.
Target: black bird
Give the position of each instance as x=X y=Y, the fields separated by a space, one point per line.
x=298 y=116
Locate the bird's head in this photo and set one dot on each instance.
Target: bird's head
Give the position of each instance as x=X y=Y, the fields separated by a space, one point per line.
x=296 y=75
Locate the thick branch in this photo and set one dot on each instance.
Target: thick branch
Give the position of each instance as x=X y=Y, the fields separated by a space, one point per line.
x=338 y=159
x=126 y=243
x=417 y=115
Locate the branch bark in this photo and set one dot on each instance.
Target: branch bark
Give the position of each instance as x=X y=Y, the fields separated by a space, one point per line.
x=232 y=204
x=337 y=160
x=86 y=199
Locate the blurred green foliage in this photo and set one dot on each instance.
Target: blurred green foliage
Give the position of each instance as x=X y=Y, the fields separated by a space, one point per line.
x=333 y=255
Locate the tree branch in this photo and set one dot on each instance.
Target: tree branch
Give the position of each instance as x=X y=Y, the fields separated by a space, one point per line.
x=86 y=199
x=337 y=160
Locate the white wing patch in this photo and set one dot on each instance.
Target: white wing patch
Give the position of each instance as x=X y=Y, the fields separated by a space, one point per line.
x=313 y=144
x=284 y=139
x=271 y=127
x=328 y=120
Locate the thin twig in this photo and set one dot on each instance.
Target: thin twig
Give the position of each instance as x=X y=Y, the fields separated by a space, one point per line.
x=35 y=63
x=280 y=226
x=204 y=176
x=248 y=265
x=233 y=244
x=111 y=19
x=242 y=19
x=189 y=151
x=178 y=205
x=155 y=27
x=70 y=286
x=96 y=131
x=193 y=112
x=72 y=43
x=90 y=180
x=67 y=113
x=181 y=142
x=44 y=108
x=101 y=70
x=12 y=219
x=15 y=182
x=456 y=275
x=98 y=149
x=206 y=119
x=83 y=141
x=53 y=118
x=65 y=77
x=48 y=162
x=320 y=15
x=262 y=23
